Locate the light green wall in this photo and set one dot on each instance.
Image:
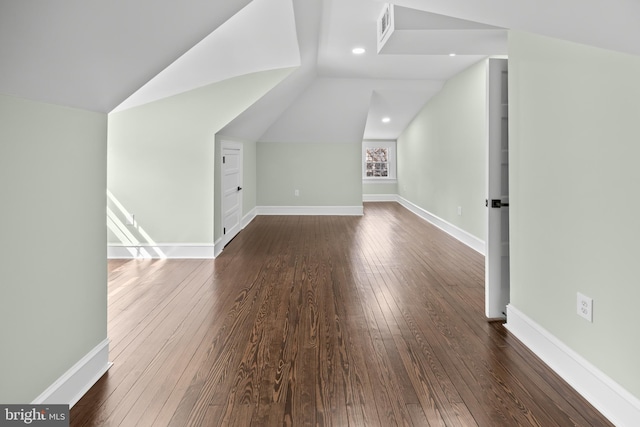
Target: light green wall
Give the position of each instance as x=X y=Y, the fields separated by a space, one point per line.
x=442 y=153
x=326 y=174
x=249 y=179
x=53 y=273
x=574 y=150
x=161 y=156
x=379 y=188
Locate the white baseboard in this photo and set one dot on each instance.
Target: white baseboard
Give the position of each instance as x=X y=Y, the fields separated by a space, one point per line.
x=309 y=210
x=607 y=396
x=204 y=251
x=74 y=383
x=174 y=251
x=222 y=241
x=468 y=239
x=249 y=217
x=379 y=197
x=218 y=246
x=162 y=251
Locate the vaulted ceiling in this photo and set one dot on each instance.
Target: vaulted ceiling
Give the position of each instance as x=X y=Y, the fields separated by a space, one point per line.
x=105 y=55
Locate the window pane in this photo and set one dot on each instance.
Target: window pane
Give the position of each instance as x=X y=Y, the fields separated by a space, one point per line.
x=380 y=169
x=377 y=155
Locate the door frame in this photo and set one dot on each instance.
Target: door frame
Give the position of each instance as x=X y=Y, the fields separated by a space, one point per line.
x=497 y=276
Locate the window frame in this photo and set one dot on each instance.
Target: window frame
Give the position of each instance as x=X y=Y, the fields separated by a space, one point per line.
x=390 y=145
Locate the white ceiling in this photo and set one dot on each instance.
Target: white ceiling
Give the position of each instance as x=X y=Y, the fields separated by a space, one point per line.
x=94 y=55
x=347 y=95
x=265 y=29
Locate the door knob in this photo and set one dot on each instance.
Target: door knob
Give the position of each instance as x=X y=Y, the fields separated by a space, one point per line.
x=239 y=188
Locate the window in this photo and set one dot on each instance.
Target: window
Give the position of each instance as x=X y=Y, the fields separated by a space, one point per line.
x=379 y=162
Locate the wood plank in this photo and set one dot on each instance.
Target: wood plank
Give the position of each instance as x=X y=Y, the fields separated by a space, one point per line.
x=348 y=321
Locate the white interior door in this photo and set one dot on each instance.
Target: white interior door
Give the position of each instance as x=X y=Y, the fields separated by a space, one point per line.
x=497 y=246
x=231 y=190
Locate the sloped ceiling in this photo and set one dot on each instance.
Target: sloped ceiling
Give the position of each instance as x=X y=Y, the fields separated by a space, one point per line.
x=345 y=96
x=418 y=32
x=96 y=54
x=260 y=37
x=611 y=24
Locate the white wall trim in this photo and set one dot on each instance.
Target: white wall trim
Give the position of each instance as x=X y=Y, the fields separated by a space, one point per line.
x=176 y=250
x=161 y=251
x=468 y=239
x=74 y=383
x=607 y=396
x=379 y=197
x=224 y=240
x=250 y=216
x=309 y=210
x=218 y=246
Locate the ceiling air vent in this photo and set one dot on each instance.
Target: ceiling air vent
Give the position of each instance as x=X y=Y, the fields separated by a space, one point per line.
x=385 y=25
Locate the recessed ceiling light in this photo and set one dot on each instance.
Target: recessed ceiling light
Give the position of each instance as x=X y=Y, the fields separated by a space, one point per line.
x=358 y=50
x=452 y=54
x=386 y=119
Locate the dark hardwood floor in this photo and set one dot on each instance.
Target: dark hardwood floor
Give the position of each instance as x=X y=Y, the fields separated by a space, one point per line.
x=329 y=321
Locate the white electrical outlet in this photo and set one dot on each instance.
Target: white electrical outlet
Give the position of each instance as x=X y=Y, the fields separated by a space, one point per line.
x=296 y=193
x=585 y=307
x=459 y=210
